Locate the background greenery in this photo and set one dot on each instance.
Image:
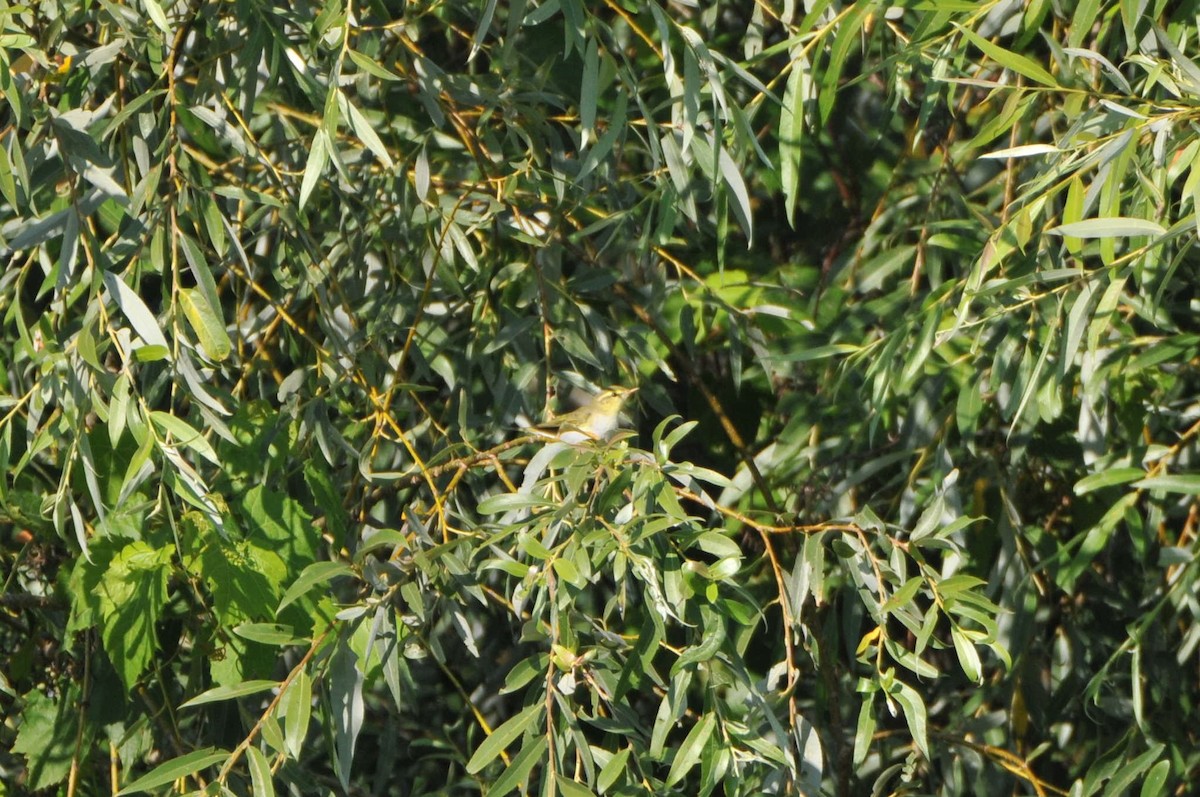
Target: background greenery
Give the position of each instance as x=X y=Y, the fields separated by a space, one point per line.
x=909 y=292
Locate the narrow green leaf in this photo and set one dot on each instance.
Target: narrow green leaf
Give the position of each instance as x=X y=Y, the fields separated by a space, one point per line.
x=847 y=37
x=1188 y=484
x=914 y=715
x=220 y=693
x=157 y=16
x=371 y=67
x=518 y=771
x=268 y=633
x=791 y=134
x=570 y=788
x=968 y=656
x=347 y=708
x=481 y=30
x=316 y=573
x=296 y=707
x=176 y=768
x=139 y=315
x=209 y=329
x=1008 y=59
x=1130 y=772
x=366 y=133
x=903 y=595
x=741 y=196
x=1156 y=780
x=616 y=129
x=260 y=773
x=1113 y=227
x=865 y=729
x=318 y=159
x=588 y=89
x=503 y=736
x=184 y=435
x=8 y=186
x=118 y=407
x=613 y=770
x=689 y=752
x=506 y=502
x=1107 y=478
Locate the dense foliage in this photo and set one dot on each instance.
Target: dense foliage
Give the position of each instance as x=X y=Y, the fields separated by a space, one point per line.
x=907 y=502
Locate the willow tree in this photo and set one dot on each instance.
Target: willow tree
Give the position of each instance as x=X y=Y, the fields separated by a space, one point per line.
x=905 y=499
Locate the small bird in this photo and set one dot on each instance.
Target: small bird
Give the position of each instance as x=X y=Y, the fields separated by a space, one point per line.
x=595 y=420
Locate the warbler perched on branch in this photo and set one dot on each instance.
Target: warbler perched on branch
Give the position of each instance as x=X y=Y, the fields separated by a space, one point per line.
x=595 y=420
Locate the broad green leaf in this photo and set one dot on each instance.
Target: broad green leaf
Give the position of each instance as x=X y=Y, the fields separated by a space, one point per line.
x=132 y=593
x=47 y=743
